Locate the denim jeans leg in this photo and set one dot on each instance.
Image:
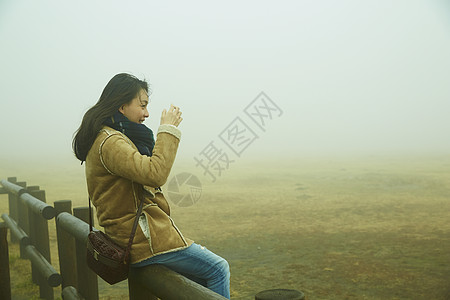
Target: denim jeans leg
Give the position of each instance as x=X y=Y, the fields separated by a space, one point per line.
x=199 y=264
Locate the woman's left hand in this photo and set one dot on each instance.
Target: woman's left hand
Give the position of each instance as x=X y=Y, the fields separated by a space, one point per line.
x=172 y=116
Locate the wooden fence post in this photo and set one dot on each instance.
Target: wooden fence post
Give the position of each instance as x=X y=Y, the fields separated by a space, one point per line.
x=66 y=248
x=5 y=279
x=32 y=235
x=22 y=209
x=24 y=220
x=87 y=279
x=40 y=239
x=12 y=203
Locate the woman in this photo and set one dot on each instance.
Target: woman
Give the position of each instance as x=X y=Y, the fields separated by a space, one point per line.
x=124 y=164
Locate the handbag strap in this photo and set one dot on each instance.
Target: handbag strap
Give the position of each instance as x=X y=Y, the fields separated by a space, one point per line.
x=133 y=230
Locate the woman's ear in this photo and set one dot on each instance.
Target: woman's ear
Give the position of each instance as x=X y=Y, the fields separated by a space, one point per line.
x=121 y=110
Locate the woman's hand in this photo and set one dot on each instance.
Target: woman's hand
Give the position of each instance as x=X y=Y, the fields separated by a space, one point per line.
x=172 y=116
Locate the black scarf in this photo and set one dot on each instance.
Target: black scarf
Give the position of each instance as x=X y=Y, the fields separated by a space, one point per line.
x=139 y=134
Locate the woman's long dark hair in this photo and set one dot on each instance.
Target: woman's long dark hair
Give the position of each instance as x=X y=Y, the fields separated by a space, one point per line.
x=121 y=89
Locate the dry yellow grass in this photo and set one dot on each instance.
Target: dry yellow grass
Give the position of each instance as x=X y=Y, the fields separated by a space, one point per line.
x=366 y=228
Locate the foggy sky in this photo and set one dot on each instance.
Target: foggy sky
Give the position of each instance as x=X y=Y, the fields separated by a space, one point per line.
x=351 y=77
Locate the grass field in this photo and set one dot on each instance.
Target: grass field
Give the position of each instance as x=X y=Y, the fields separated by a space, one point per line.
x=334 y=228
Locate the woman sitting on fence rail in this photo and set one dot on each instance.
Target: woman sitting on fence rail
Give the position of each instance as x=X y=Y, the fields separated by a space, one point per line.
x=121 y=156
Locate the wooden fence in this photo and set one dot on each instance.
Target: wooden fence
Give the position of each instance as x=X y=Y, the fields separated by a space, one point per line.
x=28 y=224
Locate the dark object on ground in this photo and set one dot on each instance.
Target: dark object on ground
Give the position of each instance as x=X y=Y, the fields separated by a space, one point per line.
x=280 y=294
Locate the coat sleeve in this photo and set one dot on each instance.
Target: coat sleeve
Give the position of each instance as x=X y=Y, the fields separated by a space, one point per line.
x=120 y=157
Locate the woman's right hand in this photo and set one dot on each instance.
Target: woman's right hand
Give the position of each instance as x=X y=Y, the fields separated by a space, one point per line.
x=172 y=116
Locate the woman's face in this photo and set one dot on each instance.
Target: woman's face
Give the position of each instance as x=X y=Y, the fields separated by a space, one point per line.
x=136 y=110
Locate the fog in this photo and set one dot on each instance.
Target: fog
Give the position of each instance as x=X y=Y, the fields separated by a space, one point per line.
x=348 y=77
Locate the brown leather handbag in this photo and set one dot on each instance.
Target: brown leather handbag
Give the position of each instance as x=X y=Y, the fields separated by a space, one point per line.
x=106 y=258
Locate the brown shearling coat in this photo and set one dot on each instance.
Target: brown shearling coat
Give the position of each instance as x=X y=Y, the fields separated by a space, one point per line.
x=116 y=173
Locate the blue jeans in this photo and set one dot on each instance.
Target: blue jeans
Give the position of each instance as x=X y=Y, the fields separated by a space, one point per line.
x=198 y=264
